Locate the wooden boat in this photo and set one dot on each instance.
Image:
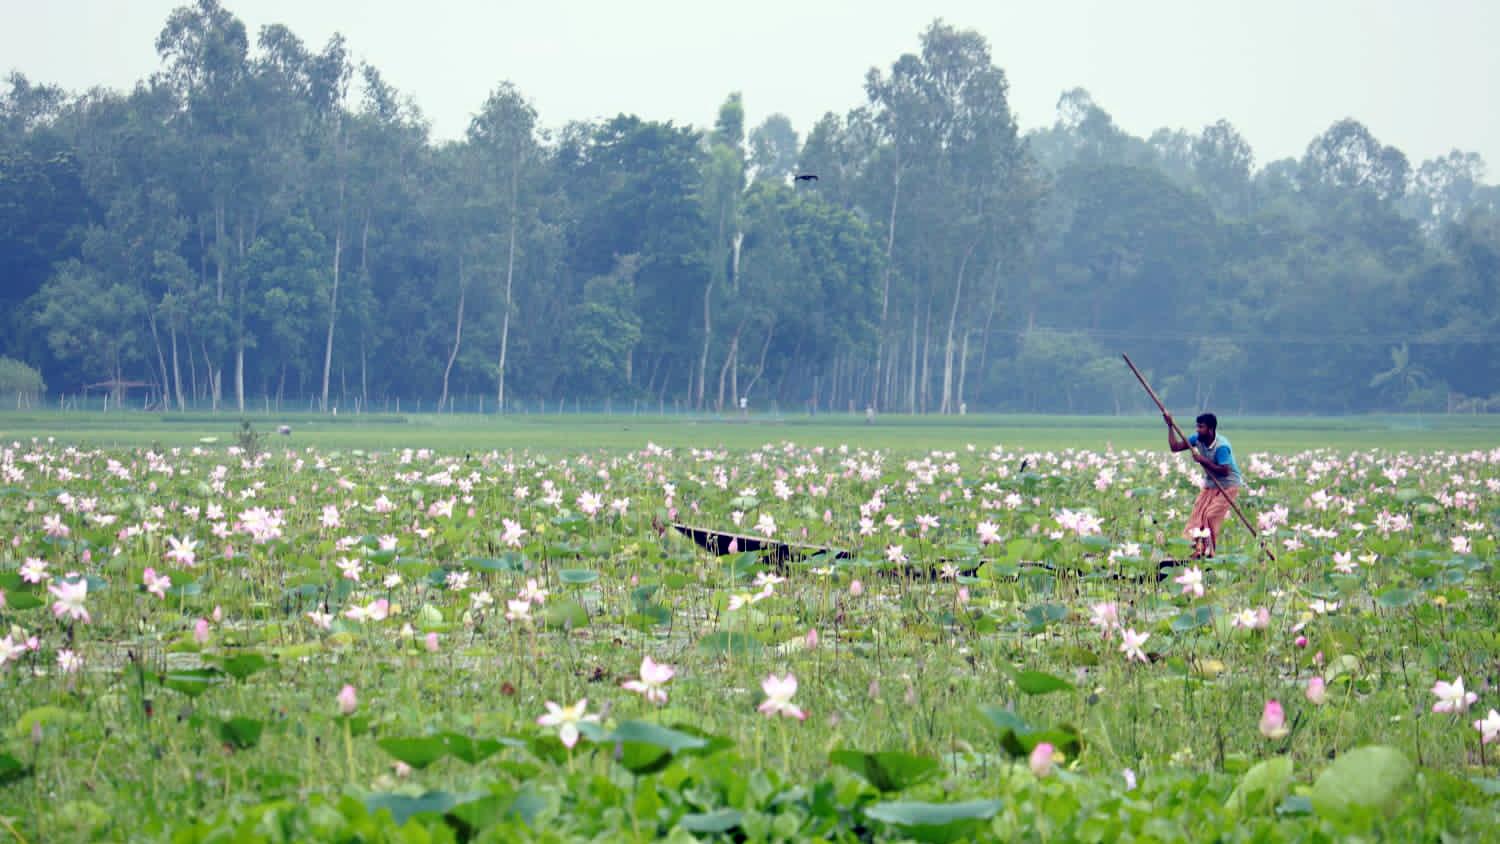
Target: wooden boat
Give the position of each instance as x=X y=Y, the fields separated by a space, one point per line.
x=778 y=554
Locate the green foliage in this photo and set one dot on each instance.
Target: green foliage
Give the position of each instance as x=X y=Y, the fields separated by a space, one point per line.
x=19 y=380
x=243 y=230
x=1363 y=778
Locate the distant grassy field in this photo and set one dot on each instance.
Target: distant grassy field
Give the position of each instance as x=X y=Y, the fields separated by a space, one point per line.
x=573 y=432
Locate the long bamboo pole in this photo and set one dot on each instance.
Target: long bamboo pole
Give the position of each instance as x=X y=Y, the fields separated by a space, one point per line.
x=1246 y=522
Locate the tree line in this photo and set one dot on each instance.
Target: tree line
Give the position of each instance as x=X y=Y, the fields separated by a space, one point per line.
x=267 y=220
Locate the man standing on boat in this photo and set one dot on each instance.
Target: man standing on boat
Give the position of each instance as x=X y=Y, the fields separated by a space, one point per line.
x=1213 y=453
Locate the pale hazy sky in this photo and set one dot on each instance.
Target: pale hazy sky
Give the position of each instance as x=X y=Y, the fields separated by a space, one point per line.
x=1421 y=74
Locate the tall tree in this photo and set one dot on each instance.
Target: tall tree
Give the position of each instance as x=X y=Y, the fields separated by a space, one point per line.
x=504 y=137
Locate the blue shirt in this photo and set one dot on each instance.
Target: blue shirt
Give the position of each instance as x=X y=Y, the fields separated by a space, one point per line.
x=1222 y=454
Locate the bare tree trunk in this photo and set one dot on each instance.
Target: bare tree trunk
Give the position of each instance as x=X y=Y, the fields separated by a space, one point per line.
x=239 y=348
x=885 y=284
x=333 y=303
x=364 y=274
x=963 y=368
x=215 y=377
x=220 y=248
x=708 y=296
x=161 y=360
x=458 y=332
x=734 y=345
x=761 y=368
x=948 y=350
x=911 y=387
x=510 y=269
x=177 y=372
x=239 y=373
x=926 y=387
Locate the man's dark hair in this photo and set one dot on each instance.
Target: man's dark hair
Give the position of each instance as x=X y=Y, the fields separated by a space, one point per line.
x=1209 y=419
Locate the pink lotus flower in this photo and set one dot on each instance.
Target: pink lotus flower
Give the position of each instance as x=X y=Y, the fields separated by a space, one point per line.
x=182 y=551
x=68 y=662
x=653 y=679
x=590 y=503
x=156 y=584
x=1191 y=582
x=348 y=700
x=779 y=692
x=1106 y=617
x=989 y=533
x=373 y=611
x=1317 y=691
x=532 y=592
x=1130 y=645
x=1489 y=728
x=1451 y=697
x=1273 y=721
x=1256 y=619
x=766 y=525
x=856 y=588
x=11 y=650
x=1042 y=758
x=53 y=525
x=513 y=533
x=70 y=597
x=34 y=570
x=566 y=719
x=200 y=631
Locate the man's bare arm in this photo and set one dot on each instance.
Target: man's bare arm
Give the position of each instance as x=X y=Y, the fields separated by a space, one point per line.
x=1173 y=442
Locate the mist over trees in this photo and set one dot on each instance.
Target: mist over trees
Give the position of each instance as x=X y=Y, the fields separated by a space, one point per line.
x=263 y=220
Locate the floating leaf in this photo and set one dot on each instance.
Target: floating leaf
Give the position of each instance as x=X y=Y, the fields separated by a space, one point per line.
x=1395 y=598
x=23 y=600
x=241 y=733
x=1041 y=615
x=1019 y=738
x=1364 y=778
x=506 y=563
x=711 y=823
x=192 y=681
x=1263 y=785
x=566 y=615
x=1193 y=619
x=890 y=770
x=417 y=752
x=647 y=748
x=727 y=642
x=1040 y=683
x=242 y=665
x=938 y=822
x=403 y=806
x=474 y=751
x=643 y=732
x=578 y=576
x=11 y=769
